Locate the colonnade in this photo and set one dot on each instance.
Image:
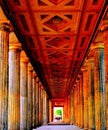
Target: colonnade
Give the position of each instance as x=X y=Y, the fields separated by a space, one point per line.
x=23 y=100
x=89 y=109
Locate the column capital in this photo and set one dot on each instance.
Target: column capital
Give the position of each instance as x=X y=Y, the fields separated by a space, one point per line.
x=30 y=67
x=90 y=54
x=75 y=84
x=79 y=74
x=72 y=92
x=84 y=67
x=5 y=26
x=34 y=74
x=77 y=81
x=104 y=25
x=37 y=79
x=97 y=45
x=13 y=42
x=24 y=58
x=39 y=84
x=16 y=46
x=90 y=59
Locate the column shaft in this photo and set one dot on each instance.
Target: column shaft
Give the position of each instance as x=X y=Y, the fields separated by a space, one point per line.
x=30 y=107
x=72 y=108
x=47 y=110
x=77 y=103
x=40 y=104
x=23 y=93
x=91 y=116
x=4 y=47
x=105 y=33
x=34 y=100
x=44 y=107
x=75 y=106
x=37 y=101
x=99 y=89
x=81 y=103
x=41 y=108
x=85 y=95
x=14 y=87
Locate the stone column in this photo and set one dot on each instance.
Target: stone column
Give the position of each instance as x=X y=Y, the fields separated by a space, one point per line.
x=77 y=103
x=40 y=105
x=50 y=111
x=23 y=91
x=44 y=107
x=47 y=108
x=85 y=95
x=81 y=101
x=99 y=87
x=91 y=116
x=37 y=101
x=14 y=84
x=4 y=49
x=75 y=106
x=105 y=33
x=72 y=108
x=30 y=107
x=41 y=102
x=34 y=100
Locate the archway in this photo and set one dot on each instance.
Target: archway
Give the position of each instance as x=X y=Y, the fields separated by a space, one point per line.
x=58 y=114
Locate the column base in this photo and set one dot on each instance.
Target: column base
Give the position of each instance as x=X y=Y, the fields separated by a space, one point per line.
x=81 y=127
x=1 y=127
x=76 y=124
x=89 y=128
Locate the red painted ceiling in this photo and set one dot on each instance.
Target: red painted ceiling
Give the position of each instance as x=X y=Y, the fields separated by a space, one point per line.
x=56 y=35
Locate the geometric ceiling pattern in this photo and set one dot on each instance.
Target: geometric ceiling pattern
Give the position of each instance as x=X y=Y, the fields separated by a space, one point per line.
x=56 y=35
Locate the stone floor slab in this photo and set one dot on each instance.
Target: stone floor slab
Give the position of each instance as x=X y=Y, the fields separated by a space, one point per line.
x=58 y=127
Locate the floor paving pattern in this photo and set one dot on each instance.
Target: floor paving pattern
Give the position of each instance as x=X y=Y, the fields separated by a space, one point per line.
x=58 y=127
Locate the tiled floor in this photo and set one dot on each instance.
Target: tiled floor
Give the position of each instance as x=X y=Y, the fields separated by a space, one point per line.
x=58 y=127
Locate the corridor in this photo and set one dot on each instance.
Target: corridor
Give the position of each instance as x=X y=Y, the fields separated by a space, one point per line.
x=53 y=64
x=58 y=127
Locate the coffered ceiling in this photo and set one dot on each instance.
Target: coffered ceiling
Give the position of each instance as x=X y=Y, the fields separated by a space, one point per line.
x=56 y=35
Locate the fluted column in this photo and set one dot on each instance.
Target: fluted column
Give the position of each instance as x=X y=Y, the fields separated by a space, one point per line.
x=85 y=95
x=4 y=47
x=14 y=84
x=72 y=108
x=91 y=116
x=75 y=105
x=78 y=103
x=40 y=105
x=99 y=87
x=47 y=111
x=29 y=109
x=105 y=33
x=81 y=101
x=34 y=100
x=37 y=101
x=44 y=107
x=50 y=111
x=23 y=91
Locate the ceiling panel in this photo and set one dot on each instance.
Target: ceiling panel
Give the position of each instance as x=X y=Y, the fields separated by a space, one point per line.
x=56 y=35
